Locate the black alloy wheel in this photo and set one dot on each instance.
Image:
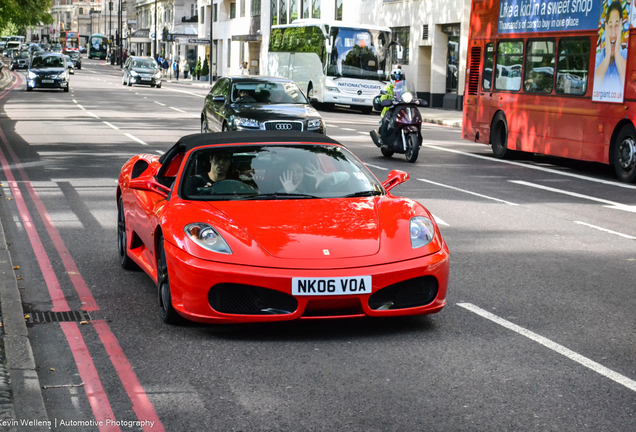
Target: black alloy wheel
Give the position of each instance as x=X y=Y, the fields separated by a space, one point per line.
x=624 y=154
x=412 y=147
x=166 y=311
x=122 y=239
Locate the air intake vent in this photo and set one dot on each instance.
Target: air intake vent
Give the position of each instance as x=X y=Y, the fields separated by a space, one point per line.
x=425 y=32
x=37 y=317
x=473 y=77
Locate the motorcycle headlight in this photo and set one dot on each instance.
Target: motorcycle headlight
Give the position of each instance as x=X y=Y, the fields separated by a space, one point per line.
x=422 y=231
x=207 y=237
x=407 y=97
x=314 y=123
x=31 y=75
x=245 y=122
x=333 y=89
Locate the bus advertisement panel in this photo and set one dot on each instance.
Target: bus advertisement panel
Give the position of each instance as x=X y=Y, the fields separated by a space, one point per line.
x=335 y=62
x=540 y=73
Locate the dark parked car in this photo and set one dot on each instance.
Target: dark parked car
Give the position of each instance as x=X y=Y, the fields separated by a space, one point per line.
x=48 y=71
x=76 y=58
x=142 y=70
x=20 y=60
x=258 y=103
x=69 y=64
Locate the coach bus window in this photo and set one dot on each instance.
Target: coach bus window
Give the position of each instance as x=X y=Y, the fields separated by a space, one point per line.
x=509 y=64
x=489 y=59
x=572 y=66
x=539 y=71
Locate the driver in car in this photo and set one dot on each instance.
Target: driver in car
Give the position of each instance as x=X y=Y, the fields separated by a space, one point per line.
x=219 y=167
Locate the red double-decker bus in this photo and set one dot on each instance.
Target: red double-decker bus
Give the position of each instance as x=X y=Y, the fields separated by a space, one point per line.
x=553 y=77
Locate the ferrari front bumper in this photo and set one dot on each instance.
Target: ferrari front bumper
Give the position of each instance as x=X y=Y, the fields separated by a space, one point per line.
x=241 y=293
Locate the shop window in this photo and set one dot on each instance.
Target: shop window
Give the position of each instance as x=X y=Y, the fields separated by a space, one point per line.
x=402 y=36
x=232 y=10
x=282 y=11
x=315 y=13
x=255 y=8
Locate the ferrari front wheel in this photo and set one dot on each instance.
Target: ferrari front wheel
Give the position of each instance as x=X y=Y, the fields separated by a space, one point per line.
x=122 y=239
x=166 y=311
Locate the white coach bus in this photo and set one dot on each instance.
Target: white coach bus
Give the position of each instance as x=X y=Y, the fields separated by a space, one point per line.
x=333 y=61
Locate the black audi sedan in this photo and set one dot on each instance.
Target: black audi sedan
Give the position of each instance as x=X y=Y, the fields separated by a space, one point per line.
x=258 y=103
x=20 y=60
x=48 y=70
x=142 y=70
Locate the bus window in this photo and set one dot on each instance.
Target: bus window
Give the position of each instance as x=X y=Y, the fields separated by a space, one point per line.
x=489 y=60
x=509 y=64
x=572 y=66
x=539 y=71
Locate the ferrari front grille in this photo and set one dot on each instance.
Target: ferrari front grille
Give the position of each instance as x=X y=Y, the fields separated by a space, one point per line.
x=410 y=293
x=242 y=299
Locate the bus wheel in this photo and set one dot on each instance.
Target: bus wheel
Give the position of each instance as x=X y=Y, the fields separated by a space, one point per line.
x=499 y=136
x=625 y=154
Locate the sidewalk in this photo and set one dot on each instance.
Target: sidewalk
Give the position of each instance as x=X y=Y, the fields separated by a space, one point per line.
x=20 y=391
x=451 y=118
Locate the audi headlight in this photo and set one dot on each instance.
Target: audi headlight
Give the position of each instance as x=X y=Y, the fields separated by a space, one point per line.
x=333 y=89
x=422 y=231
x=314 y=123
x=407 y=97
x=245 y=122
x=133 y=73
x=31 y=75
x=207 y=237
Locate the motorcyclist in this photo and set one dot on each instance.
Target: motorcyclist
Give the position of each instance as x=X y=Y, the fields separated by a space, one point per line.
x=397 y=76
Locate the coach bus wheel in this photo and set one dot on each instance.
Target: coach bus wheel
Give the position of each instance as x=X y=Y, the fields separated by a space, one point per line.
x=499 y=136
x=625 y=154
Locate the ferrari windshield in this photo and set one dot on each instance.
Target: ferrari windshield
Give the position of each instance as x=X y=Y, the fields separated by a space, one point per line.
x=263 y=172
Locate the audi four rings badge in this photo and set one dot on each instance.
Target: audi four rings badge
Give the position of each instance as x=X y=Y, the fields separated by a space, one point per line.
x=283 y=126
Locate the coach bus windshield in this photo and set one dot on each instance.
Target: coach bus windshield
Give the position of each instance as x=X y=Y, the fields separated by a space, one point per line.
x=357 y=53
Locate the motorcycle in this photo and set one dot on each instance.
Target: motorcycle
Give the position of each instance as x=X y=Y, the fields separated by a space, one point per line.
x=401 y=131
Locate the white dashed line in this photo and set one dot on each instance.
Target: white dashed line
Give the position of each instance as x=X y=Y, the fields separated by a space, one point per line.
x=110 y=125
x=590 y=364
x=376 y=167
x=134 y=138
x=92 y=115
x=606 y=230
x=159 y=103
x=177 y=109
x=468 y=192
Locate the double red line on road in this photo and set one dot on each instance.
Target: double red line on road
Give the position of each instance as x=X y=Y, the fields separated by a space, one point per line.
x=95 y=393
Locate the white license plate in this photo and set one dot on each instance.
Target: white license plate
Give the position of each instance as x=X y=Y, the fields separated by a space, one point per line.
x=358 y=100
x=146 y=79
x=331 y=286
x=48 y=81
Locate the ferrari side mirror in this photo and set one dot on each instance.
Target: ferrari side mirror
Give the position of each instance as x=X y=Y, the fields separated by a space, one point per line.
x=395 y=178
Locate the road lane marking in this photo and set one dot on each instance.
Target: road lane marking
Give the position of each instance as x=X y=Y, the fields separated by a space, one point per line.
x=159 y=152
x=534 y=167
x=177 y=109
x=134 y=138
x=159 y=103
x=376 y=167
x=605 y=230
x=347 y=129
x=81 y=107
x=590 y=364
x=110 y=125
x=92 y=115
x=609 y=204
x=439 y=221
x=186 y=92
x=363 y=133
x=468 y=192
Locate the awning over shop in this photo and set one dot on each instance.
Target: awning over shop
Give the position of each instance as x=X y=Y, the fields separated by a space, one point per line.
x=140 y=36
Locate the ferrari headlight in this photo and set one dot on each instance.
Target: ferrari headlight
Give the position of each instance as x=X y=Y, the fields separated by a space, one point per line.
x=245 y=122
x=207 y=237
x=407 y=97
x=31 y=75
x=422 y=231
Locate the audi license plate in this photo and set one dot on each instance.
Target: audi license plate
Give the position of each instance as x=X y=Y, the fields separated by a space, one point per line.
x=47 y=81
x=358 y=100
x=331 y=286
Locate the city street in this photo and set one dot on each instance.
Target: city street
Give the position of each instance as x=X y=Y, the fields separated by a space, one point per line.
x=539 y=331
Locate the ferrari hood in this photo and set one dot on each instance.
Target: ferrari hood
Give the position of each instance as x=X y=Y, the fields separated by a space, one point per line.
x=311 y=228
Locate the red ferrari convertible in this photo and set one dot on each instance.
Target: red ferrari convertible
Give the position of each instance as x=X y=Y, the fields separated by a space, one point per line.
x=270 y=226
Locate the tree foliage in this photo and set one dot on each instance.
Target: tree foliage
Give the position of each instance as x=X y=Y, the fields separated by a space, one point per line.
x=24 y=13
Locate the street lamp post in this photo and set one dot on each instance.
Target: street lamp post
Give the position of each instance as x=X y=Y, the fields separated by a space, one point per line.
x=155 y=40
x=211 y=37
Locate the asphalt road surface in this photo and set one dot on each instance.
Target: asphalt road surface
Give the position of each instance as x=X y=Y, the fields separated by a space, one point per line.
x=538 y=333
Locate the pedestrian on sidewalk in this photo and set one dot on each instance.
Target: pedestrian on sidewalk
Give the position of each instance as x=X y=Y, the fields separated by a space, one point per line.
x=175 y=67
